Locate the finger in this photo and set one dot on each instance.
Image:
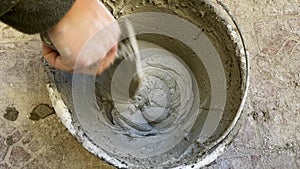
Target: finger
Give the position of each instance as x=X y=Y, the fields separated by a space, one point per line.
x=98 y=67
x=54 y=59
x=46 y=50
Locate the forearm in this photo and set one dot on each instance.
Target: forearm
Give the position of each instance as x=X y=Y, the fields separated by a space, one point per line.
x=33 y=16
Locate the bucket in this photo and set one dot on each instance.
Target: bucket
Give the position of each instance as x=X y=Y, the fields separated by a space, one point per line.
x=190 y=104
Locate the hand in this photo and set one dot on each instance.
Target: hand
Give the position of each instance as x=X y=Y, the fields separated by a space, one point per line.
x=85 y=39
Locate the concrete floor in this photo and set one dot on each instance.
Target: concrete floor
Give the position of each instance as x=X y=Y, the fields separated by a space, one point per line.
x=269 y=138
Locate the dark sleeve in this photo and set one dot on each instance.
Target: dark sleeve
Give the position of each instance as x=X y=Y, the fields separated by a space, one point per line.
x=33 y=16
x=6 y=5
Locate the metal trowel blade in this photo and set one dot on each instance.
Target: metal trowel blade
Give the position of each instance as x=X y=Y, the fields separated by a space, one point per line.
x=132 y=69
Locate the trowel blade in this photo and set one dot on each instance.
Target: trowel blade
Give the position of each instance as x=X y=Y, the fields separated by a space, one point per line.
x=125 y=81
x=132 y=68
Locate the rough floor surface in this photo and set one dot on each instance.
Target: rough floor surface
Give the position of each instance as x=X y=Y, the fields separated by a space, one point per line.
x=269 y=138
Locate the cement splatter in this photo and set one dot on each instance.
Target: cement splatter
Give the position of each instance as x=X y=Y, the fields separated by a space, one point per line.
x=11 y=113
x=40 y=112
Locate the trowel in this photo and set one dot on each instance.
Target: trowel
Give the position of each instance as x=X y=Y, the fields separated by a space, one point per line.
x=128 y=52
x=132 y=69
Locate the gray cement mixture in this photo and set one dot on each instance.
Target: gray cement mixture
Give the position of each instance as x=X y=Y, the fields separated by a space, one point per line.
x=177 y=116
x=166 y=85
x=161 y=110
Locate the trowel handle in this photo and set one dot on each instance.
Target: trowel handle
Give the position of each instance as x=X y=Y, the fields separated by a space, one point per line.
x=125 y=47
x=46 y=39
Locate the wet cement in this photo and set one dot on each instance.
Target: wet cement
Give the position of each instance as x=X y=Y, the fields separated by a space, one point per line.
x=165 y=97
x=149 y=130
